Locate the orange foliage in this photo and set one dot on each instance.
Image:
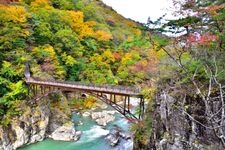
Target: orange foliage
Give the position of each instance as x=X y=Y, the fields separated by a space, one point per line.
x=8 y=1
x=117 y=55
x=89 y=102
x=16 y=14
x=41 y=3
x=129 y=38
x=213 y=9
x=103 y=35
x=133 y=27
x=76 y=17
x=76 y=20
x=107 y=56
x=86 y=30
x=130 y=23
x=148 y=65
x=137 y=31
x=131 y=57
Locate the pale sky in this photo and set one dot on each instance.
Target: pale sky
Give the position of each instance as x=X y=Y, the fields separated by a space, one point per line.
x=140 y=10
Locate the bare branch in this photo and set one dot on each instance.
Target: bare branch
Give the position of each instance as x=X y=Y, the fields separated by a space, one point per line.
x=193 y=119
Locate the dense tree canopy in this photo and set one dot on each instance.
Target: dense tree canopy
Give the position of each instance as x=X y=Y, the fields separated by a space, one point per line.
x=78 y=40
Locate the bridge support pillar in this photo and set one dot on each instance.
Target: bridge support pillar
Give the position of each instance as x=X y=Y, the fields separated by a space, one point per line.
x=128 y=104
x=142 y=108
x=110 y=99
x=34 y=89
x=41 y=89
x=29 y=89
x=125 y=105
x=49 y=89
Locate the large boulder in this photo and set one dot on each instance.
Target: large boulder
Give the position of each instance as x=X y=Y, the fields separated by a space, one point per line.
x=102 y=118
x=116 y=135
x=113 y=137
x=65 y=133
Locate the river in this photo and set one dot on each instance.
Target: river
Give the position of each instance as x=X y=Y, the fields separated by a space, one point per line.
x=92 y=138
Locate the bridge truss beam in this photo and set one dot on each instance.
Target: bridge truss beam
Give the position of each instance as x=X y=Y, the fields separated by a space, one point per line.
x=38 y=91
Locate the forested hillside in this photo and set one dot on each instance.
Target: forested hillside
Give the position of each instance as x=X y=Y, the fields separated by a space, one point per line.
x=76 y=40
x=182 y=77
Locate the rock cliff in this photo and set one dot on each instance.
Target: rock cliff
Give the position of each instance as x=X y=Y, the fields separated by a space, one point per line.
x=38 y=121
x=172 y=129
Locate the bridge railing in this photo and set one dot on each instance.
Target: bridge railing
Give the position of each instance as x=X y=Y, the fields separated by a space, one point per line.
x=90 y=86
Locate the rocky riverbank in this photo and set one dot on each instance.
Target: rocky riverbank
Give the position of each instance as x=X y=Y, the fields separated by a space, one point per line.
x=47 y=118
x=51 y=118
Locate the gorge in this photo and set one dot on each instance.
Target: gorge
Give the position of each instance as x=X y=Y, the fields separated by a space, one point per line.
x=83 y=130
x=179 y=79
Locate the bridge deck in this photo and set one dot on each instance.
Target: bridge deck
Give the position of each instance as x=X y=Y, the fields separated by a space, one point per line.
x=88 y=87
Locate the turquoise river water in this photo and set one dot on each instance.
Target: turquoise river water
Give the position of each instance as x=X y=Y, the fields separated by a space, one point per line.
x=92 y=138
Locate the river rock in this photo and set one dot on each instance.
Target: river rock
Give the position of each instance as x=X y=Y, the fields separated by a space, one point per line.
x=113 y=140
x=106 y=119
x=111 y=112
x=96 y=115
x=125 y=135
x=102 y=118
x=65 y=133
x=80 y=123
x=113 y=137
x=86 y=114
x=119 y=139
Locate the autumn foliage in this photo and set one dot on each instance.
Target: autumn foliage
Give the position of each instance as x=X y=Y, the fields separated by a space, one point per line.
x=68 y=40
x=206 y=38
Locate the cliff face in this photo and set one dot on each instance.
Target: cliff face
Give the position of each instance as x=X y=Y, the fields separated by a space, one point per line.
x=28 y=128
x=36 y=123
x=172 y=129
